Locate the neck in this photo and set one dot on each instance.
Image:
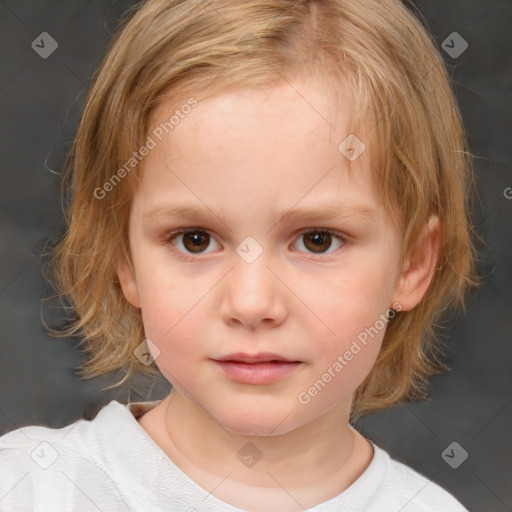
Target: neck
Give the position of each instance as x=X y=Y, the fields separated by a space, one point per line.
x=304 y=457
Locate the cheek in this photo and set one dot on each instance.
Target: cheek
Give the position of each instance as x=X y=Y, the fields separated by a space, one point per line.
x=342 y=362
x=175 y=320
x=350 y=323
x=179 y=337
x=347 y=305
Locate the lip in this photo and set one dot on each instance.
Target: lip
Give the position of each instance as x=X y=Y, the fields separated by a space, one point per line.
x=261 y=357
x=257 y=369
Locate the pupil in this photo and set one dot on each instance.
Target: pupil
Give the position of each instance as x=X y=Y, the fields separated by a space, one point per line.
x=198 y=240
x=320 y=241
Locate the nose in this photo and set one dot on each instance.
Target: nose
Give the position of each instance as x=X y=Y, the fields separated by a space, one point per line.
x=253 y=294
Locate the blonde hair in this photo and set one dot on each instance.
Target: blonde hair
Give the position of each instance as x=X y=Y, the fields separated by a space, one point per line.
x=173 y=48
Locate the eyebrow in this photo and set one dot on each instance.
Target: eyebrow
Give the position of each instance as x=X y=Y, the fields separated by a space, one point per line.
x=180 y=210
x=335 y=212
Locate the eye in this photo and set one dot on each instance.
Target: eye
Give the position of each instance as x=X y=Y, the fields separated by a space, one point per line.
x=318 y=240
x=193 y=240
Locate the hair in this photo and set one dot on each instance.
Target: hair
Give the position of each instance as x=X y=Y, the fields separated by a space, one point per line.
x=177 y=48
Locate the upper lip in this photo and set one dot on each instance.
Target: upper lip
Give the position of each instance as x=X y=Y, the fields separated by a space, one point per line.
x=261 y=357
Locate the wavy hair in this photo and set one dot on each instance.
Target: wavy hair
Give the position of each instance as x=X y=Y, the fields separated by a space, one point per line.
x=178 y=48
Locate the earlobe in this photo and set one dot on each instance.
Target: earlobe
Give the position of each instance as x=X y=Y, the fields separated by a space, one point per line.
x=415 y=279
x=127 y=280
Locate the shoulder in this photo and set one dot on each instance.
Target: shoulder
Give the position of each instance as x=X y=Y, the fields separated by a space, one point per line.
x=411 y=490
x=44 y=445
x=55 y=465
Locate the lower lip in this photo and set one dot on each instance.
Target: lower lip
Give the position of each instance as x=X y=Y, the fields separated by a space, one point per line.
x=257 y=373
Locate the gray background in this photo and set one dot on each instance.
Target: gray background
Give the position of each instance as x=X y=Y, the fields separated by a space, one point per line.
x=40 y=100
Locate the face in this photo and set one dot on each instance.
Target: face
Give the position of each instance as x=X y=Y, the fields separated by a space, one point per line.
x=252 y=275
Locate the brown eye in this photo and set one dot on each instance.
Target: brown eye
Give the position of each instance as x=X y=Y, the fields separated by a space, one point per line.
x=193 y=241
x=318 y=241
x=196 y=241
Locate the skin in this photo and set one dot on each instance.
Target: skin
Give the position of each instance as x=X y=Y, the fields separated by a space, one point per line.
x=254 y=155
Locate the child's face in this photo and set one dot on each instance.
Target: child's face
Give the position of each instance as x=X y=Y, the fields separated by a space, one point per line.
x=252 y=157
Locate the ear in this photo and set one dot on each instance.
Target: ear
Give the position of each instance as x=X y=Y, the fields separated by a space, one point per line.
x=127 y=280
x=419 y=269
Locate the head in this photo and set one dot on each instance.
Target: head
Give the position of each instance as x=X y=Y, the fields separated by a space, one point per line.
x=243 y=110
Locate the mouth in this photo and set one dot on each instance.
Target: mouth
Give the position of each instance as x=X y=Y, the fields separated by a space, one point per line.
x=262 y=357
x=256 y=369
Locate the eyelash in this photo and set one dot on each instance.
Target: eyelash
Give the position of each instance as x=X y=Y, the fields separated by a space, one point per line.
x=176 y=233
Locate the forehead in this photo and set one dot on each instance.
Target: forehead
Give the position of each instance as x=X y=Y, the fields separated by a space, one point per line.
x=274 y=145
x=310 y=107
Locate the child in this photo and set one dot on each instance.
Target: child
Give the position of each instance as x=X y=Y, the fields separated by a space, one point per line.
x=268 y=204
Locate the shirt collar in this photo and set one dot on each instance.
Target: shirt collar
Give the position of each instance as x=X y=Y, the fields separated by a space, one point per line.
x=143 y=471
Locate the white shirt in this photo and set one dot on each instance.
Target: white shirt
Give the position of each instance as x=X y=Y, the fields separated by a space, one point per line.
x=111 y=464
